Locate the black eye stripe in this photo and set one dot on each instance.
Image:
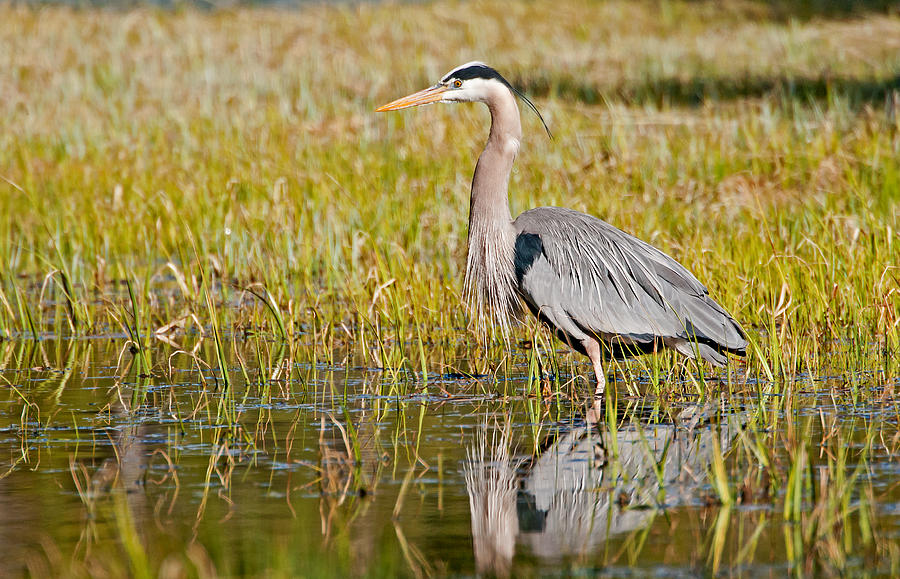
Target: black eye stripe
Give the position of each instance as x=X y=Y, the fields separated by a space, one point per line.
x=475 y=71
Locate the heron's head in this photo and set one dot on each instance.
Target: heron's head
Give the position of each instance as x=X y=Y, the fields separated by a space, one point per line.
x=471 y=82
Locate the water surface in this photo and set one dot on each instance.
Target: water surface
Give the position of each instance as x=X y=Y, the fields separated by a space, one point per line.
x=302 y=468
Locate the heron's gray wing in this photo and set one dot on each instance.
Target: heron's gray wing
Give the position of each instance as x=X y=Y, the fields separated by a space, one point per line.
x=588 y=278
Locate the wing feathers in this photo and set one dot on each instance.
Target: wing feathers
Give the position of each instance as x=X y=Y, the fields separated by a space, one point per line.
x=580 y=270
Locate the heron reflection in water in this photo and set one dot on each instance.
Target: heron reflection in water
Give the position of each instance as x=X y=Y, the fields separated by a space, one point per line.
x=576 y=495
x=603 y=291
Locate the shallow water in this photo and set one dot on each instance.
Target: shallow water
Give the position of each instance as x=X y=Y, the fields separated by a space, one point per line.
x=305 y=469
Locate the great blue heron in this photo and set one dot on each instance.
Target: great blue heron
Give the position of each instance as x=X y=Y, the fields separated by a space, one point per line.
x=599 y=288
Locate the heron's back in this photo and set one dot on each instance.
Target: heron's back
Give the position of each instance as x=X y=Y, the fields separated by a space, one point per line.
x=587 y=278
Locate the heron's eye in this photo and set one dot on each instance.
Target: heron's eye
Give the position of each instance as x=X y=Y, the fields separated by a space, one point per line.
x=457 y=83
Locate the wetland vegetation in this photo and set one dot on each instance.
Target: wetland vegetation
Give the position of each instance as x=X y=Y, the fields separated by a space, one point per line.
x=231 y=334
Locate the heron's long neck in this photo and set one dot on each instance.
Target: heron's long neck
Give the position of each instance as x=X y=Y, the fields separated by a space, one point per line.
x=491 y=181
x=490 y=271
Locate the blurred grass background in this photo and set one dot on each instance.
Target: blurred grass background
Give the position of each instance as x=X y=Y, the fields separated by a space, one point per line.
x=757 y=143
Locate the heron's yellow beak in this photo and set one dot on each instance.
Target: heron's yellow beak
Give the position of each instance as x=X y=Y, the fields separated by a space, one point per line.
x=423 y=97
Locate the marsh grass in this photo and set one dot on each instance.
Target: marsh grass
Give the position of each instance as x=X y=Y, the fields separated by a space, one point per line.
x=768 y=172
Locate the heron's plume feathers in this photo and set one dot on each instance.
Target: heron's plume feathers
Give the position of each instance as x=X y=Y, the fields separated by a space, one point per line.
x=490 y=286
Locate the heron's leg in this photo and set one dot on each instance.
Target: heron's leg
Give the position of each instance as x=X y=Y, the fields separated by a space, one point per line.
x=592 y=347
